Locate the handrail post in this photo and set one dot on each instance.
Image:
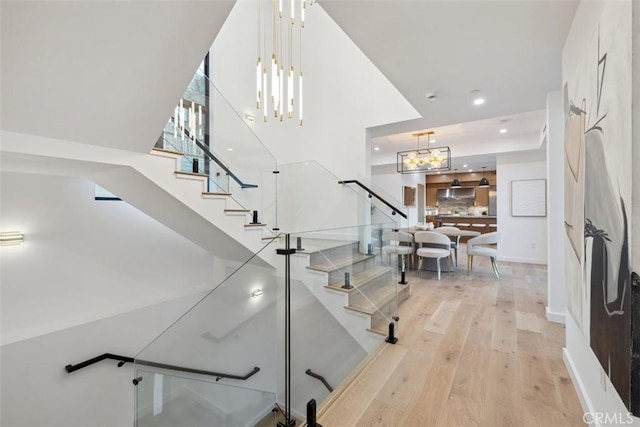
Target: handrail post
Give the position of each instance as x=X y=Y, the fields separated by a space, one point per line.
x=287 y=251
x=403 y=280
x=392 y=339
x=311 y=414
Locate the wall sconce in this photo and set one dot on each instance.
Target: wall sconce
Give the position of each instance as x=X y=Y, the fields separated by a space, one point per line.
x=256 y=293
x=10 y=238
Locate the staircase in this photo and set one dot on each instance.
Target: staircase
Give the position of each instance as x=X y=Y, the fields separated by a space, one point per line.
x=371 y=300
x=214 y=220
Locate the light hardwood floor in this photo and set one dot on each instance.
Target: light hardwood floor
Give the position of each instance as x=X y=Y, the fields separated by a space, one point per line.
x=473 y=351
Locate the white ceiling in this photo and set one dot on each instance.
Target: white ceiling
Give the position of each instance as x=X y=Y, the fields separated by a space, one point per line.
x=510 y=50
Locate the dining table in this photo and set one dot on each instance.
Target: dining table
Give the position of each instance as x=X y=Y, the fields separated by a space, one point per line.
x=430 y=263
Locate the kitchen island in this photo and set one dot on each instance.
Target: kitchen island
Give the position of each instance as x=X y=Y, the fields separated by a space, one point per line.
x=480 y=223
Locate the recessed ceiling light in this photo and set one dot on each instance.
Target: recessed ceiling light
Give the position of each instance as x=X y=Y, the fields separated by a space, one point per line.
x=478 y=101
x=432 y=140
x=376 y=148
x=503 y=130
x=470 y=170
x=464 y=166
x=229 y=149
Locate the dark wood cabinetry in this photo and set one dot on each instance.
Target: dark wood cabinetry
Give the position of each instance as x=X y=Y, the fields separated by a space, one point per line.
x=467 y=179
x=482 y=196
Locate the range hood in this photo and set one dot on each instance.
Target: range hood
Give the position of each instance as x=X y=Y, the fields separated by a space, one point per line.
x=456 y=193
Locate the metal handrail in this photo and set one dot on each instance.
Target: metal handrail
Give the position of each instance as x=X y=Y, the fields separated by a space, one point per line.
x=124 y=359
x=211 y=156
x=372 y=193
x=319 y=377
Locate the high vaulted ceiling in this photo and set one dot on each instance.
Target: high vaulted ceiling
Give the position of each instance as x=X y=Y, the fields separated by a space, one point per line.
x=509 y=50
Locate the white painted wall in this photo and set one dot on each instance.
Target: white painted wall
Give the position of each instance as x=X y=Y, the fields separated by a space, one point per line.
x=344 y=94
x=556 y=290
x=84 y=260
x=114 y=70
x=594 y=388
x=524 y=239
x=95 y=277
x=391 y=182
x=36 y=390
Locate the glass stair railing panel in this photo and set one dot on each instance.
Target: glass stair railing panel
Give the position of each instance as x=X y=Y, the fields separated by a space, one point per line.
x=205 y=127
x=242 y=153
x=219 y=358
x=344 y=296
x=311 y=198
x=173 y=400
x=382 y=200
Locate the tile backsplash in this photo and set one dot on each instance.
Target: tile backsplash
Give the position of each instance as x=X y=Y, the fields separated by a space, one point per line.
x=451 y=207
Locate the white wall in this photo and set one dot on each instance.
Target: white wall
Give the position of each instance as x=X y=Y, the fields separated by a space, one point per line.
x=391 y=182
x=114 y=85
x=36 y=390
x=524 y=239
x=84 y=260
x=344 y=94
x=594 y=388
x=556 y=290
x=97 y=276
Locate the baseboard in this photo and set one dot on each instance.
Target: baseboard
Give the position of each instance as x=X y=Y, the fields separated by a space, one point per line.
x=554 y=316
x=585 y=402
x=523 y=260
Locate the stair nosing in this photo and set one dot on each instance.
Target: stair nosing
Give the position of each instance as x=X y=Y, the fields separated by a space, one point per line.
x=380 y=304
x=341 y=264
x=164 y=150
x=207 y=193
x=202 y=175
x=355 y=284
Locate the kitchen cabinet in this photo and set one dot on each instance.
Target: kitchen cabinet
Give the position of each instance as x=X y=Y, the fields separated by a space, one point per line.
x=482 y=196
x=432 y=199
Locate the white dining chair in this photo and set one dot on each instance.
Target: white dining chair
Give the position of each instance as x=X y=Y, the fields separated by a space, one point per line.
x=397 y=243
x=438 y=253
x=484 y=245
x=454 y=236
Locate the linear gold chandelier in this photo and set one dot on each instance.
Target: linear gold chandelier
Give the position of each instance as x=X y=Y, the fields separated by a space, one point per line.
x=424 y=160
x=270 y=78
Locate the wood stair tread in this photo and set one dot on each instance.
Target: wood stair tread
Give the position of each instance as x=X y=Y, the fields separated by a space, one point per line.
x=313 y=246
x=207 y=193
x=378 y=331
x=255 y=225
x=203 y=175
x=164 y=150
x=379 y=298
x=340 y=263
x=238 y=210
x=360 y=279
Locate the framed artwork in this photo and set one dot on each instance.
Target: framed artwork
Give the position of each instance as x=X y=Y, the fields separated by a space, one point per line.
x=409 y=196
x=529 y=197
